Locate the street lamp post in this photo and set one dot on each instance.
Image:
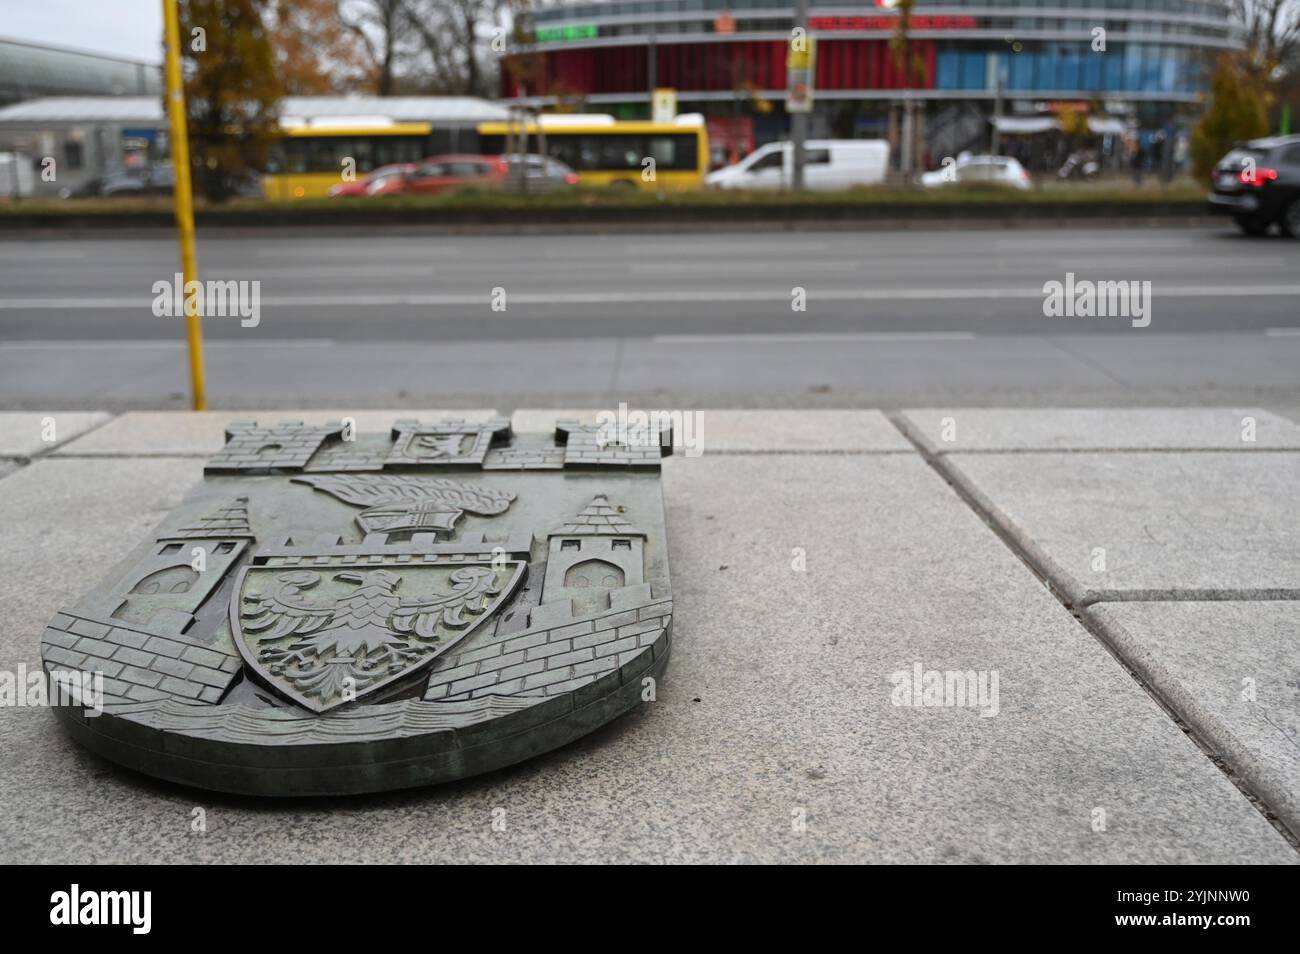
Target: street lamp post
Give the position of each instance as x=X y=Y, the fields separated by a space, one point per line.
x=997 y=106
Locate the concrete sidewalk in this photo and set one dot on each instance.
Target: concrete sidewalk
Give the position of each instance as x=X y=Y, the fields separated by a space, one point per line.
x=1146 y=708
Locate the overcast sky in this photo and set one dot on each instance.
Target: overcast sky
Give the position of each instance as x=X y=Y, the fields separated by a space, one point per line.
x=129 y=28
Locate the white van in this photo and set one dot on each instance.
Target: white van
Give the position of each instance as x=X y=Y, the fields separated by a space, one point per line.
x=16 y=176
x=828 y=164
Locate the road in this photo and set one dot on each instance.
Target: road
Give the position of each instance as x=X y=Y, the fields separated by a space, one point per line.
x=891 y=318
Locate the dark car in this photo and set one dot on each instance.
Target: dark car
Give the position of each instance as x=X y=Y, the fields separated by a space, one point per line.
x=159 y=179
x=1258 y=184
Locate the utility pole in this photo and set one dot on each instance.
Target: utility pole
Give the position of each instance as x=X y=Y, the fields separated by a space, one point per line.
x=799 y=120
x=183 y=198
x=997 y=104
x=909 y=135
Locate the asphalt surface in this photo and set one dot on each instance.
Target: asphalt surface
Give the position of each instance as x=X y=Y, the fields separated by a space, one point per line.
x=891 y=318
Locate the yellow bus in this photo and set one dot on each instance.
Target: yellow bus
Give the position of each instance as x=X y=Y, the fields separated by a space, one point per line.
x=604 y=151
x=306 y=160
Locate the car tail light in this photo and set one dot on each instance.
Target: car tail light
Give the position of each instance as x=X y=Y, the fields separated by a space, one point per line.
x=1257 y=177
x=571 y=178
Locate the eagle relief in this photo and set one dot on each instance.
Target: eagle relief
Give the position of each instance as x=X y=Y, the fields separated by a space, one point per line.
x=326 y=645
x=325 y=640
x=330 y=613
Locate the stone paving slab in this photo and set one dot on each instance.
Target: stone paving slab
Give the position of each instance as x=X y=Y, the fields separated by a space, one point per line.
x=169 y=432
x=1148 y=524
x=22 y=433
x=542 y=420
x=742 y=431
x=952 y=430
x=66 y=524
x=774 y=736
x=1232 y=670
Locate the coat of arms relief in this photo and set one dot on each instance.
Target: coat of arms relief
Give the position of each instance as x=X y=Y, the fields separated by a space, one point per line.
x=406 y=585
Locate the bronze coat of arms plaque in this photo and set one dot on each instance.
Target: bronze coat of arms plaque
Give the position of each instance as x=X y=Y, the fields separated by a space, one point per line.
x=330 y=612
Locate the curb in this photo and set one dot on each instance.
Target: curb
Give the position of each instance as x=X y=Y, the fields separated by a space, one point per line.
x=774 y=216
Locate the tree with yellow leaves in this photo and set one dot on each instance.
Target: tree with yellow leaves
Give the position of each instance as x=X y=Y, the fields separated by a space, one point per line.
x=232 y=92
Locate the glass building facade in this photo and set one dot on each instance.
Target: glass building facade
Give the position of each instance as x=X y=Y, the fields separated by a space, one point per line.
x=1149 y=58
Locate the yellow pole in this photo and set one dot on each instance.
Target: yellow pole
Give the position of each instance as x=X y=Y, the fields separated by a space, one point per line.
x=183 y=197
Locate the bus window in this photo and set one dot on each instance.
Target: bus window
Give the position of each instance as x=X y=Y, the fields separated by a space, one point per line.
x=663 y=149
x=615 y=152
x=677 y=151
x=589 y=154
x=391 y=150
x=363 y=154
x=324 y=154
x=566 y=149
x=612 y=150
x=624 y=152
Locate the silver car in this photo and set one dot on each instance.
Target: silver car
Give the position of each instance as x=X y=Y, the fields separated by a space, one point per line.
x=534 y=173
x=995 y=170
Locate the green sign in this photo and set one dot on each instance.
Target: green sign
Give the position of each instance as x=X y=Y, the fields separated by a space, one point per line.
x=583 y=31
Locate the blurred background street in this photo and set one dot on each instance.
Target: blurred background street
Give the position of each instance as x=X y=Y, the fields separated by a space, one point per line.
x=892 y=318
x=718 y=203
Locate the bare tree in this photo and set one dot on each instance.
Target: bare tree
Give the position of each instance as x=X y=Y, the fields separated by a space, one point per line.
x=382 y=26
x=454 y=35
x=1270 y=30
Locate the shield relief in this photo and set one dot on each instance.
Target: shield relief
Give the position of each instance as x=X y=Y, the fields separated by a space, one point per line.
x=325 y=615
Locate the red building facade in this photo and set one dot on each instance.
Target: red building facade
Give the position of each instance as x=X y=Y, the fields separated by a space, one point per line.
x=723 y=67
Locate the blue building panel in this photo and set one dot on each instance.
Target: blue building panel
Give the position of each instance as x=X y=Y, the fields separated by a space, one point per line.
x=947 y=70
x=1021 y=72
x=1092 y=72
x=974 y=70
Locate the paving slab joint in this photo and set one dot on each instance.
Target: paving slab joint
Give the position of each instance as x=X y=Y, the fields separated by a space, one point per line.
x=23 y=460
x=911 y=434
x=1192 y=595
x=1052 y=575
x=112 y=416
x=810 y=452
x=1228 y=754
x=1075 y=600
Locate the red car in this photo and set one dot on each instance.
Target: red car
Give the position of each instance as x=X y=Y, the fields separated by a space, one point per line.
x=444 y=173
x=364 y=184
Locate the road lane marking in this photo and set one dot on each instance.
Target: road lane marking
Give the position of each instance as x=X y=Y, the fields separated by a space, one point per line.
x=815 y=337
x=163 y=344
x=652 y=297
